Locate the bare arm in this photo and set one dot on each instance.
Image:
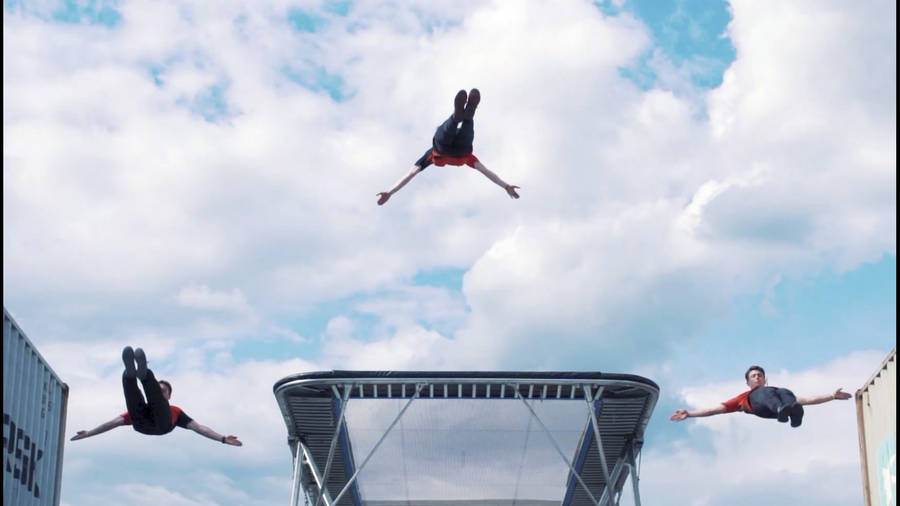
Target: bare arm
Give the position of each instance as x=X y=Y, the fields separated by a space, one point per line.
x=384 y=196
x=100 y=429
x=681 y=414
x=838 y=394
x=203 y=430
x=510 y=189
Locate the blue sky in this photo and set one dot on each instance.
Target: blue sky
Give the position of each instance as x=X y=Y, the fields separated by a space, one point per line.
x=705 y=185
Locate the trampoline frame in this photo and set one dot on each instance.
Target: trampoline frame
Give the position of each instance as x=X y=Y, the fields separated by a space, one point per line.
x=340 y=387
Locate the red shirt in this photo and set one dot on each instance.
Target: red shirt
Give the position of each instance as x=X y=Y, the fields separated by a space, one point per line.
x=739 y=403
x=440 y=159
x=177 y=416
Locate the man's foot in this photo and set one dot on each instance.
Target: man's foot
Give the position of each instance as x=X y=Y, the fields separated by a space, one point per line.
x=796 y=415
x=459 y=105
x=783 y=413
x=128 y=359
x=141 y=361
x=474 y=99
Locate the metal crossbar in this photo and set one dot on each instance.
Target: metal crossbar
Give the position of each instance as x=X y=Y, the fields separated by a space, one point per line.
x=632 y=466
x=377 y=444
x=593 y=415
x=298 y=471
x=555 y=444
x=311 y=463
x=334 y=438
x=607 y=496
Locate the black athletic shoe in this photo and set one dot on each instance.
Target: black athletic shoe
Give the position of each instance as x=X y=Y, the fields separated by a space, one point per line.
x=474 y=99
x=128 y=359
x=783 y=413
x=796 y=415
x=141 y=361
x=459 y=105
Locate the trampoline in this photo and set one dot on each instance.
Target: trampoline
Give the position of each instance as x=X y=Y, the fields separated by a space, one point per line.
x=433 y=438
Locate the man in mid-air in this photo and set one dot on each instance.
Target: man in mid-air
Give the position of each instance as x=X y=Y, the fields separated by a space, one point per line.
x=452 y=145
x=155 y=416
x=763 y=401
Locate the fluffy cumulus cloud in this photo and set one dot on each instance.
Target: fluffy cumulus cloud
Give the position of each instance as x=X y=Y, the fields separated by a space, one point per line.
x=138 y=165
x=791 y=170
x=199 y=179
x=201 y=297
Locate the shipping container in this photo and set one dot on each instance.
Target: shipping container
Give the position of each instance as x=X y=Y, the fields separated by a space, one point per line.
x=34 y=422
x=876 y=413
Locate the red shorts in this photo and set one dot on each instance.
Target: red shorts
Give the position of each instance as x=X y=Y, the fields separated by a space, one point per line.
x=440 y=159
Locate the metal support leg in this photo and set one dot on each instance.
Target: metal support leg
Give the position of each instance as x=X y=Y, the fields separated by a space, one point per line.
x=298 y=473
x=590 y=401
x=334 y=438
x=634 y=476
x=314 y=469
x=372 y=451
x=555 y=445
x=607 y=497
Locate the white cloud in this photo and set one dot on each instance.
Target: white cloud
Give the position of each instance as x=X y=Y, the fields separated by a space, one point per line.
x=408 y=305
x=201 y=297
x=410 y=348
x=786 y=187
x=160 y=196
x=169 y=196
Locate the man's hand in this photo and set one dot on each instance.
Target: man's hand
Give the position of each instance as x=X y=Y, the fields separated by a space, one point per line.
x=840 y=394
x=383 y=197
x=80 y=435
x=679 y=415
x=511 y=190
x=233 y=441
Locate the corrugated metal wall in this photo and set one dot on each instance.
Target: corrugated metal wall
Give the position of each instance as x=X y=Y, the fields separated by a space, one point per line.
x=34 y=422
x=876 y=408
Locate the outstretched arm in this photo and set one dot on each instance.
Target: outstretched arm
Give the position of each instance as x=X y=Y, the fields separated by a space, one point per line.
x=510 y=189
x=203 y=430
x=838 y=394
x=681 y=414
x=384 y=196
x=100 y=429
